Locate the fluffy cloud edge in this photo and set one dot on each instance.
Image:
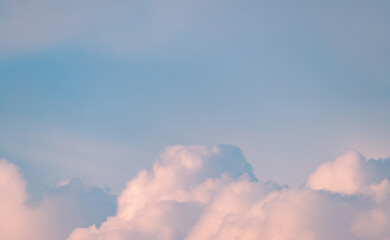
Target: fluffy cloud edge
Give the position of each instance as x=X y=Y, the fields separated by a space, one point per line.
x=207 y=192
x=342 y=199
x=60 y=211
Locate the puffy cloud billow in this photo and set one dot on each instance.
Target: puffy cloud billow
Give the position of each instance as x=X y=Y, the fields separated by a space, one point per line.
x=197 y=192
x=56 y=215
x=200 y=192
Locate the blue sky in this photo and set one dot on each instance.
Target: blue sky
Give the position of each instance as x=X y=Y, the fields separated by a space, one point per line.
x=112 y=83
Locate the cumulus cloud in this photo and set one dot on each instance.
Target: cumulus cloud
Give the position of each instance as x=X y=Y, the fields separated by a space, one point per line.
x=351 y=174
x=61 y=210
x=14 y=214
x=199 y=192
x=343 y=175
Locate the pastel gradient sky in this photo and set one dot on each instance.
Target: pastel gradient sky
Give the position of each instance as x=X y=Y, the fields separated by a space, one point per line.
x=96 y=89
x=194 y=120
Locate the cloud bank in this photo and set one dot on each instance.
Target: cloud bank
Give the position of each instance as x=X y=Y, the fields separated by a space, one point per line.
x=61 y=210
x=200 y=192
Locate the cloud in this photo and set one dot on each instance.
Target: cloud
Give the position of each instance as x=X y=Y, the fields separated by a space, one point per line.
x=351 y=174
x=199 y=192
x=60 y=211
x=15 y=215
x=343 y=175
x=165 y=202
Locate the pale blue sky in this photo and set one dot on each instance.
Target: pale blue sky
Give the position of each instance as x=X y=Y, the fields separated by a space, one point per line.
x=96 y=89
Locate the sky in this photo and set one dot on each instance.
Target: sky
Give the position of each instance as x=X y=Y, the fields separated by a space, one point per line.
x=92 y=92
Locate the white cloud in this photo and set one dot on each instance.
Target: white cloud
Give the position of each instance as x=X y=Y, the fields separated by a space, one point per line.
x=16 y=220
x=343 y=175
x=200 y=192
x=186 y=196
x=351 y=174
x=59 y=212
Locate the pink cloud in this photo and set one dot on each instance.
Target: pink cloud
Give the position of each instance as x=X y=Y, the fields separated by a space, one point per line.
x=182 y=198
x=200 y=192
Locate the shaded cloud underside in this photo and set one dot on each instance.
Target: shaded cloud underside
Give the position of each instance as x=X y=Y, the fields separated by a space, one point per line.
x=199 y=192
